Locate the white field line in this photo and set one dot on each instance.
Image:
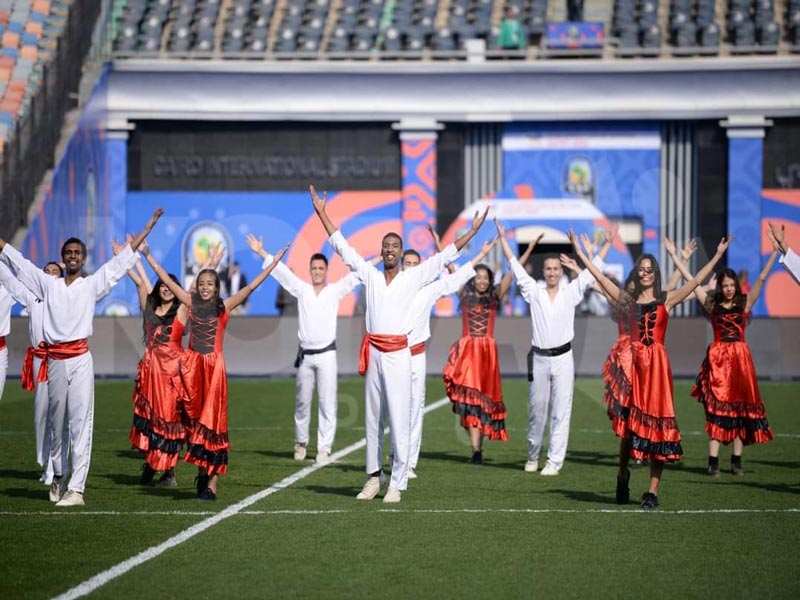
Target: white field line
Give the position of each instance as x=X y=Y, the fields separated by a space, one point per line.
x=90 y=585
x=528 y=511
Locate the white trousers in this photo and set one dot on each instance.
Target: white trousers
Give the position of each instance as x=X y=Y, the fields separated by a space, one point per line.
x=3 y=369
x=322 y=368
x=41 y=403
x=70 y=386
x=551 y=389
x=418 y=373
x=388 y=385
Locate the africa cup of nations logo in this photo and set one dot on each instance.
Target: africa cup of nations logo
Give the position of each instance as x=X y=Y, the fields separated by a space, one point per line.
x=198 y=242
x=578 y=178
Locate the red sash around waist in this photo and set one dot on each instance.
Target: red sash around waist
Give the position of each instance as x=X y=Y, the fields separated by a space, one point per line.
x=26 y=377
x=61 y=351
x=417 y=348
x=383 y=343
x=2 y=342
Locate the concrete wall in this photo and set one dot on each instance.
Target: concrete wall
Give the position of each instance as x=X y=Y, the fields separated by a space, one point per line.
x=267 y=346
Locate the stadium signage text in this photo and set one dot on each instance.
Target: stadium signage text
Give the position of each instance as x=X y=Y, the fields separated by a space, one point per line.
x=278 y=167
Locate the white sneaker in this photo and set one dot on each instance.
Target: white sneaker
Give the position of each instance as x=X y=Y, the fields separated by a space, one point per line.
x=323 y=457
x=411 y=473
x=299 y=452
x=71 y=499
x=392 y=495
x=532 y=466
x=57 y=488
x=549 y=470
x=372 y=487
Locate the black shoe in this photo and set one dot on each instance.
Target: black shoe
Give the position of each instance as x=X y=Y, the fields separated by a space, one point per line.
x=202 y=483
x=147 y=475
x=168 y=479
x=623 y=491
x=206 y=496
x=713 y=471
x=477 y=458
x=649 y=501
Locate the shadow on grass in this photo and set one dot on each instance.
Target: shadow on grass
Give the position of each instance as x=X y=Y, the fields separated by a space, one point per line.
x=16 y=474
x=273 y=454
x=581 y=496
x=26 y=493
x=349 y=492
x=784 y=464
x=463 y=459
x=592 y=458
x=130 y=453
x=781 y=488
x=127 y=479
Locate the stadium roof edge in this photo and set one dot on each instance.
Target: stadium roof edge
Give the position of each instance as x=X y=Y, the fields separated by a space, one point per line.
x=579 y=90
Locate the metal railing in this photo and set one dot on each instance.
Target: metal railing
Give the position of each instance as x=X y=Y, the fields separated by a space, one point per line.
x=29 y=151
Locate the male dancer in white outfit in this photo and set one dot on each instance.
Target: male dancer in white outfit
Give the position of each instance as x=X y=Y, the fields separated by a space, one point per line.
x=420 y=325
x=385 y=356
x=317 y=306
x=33 y=361
x=551 y=369
x=68 y=313
x=789 y=257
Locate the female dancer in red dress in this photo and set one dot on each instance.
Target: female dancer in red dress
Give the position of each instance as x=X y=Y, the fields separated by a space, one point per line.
x=650 y=430
x=157 y=429
x=472 y=372
x=203 y=371
x=617 y=366
x=727 y=385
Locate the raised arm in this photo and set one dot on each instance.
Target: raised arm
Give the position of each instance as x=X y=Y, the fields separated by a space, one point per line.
x=15 y=287
x=682 y=270
x=243 y=293
x=609 y=287
x=319 y=208
x=282 y=274
x=477 y=221
x=137 y=239
x=437 y=243
x=686 y=253
x=790 y=259
x=678 y=296
x=180 y=294
x=755 y=291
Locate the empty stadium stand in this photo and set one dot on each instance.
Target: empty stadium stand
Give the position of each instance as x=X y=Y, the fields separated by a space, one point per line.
x=440 y=29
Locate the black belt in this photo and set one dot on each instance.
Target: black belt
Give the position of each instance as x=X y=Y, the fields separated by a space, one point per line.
x=545 y=352
x=301 y=352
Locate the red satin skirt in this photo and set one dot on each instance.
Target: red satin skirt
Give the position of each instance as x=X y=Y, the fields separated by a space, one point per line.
x=650 y=422
x=158 y=429
x=617 y=382
x=206 y=384
x=728 y=389
x=472 y=382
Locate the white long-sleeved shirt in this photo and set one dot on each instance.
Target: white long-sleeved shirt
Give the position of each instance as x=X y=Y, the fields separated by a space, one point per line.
x=389 y=306
x=316 y=313
x=427 y=297
x=6 y=302
x=791 y=261
x=69 y=309
x=28 y=299
x=553 y=322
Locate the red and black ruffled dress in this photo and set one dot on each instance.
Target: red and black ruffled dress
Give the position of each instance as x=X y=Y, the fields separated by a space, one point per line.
x=206 y=381
x=617 y=376
x=158 y=428
x=472 y=372
x=649 y=420
x=727 y=384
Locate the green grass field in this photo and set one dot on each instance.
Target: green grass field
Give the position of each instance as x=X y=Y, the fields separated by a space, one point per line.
x=461 y=530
